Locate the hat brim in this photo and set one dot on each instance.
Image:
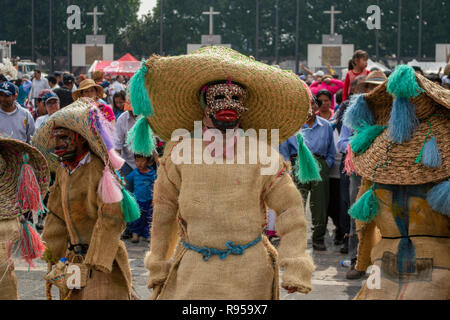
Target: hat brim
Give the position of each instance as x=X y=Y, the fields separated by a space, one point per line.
x=100 y=92
x=377 y=82
x=76 y=117
x=276 y=99
x=52 y=98
x=431 y=105
x=12 y=151
x=8 y=93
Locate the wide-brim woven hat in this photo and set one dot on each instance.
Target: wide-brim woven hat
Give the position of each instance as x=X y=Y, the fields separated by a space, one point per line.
x=12 y=153
x=86 y=84
x=277 y=99
x=376 y=77
x=80 y=117
x=388 y=162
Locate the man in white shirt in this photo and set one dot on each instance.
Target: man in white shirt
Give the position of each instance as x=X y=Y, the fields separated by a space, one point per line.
x=38 y=85
x=116 y=86
x=124 y=123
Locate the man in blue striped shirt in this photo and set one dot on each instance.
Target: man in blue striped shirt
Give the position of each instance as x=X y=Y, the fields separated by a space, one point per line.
x=318 y=134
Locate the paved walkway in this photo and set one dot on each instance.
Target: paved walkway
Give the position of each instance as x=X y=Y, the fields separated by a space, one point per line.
x=328 y=280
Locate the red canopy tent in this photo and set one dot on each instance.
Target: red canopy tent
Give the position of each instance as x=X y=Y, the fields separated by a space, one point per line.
x=128 y=57
x=125 y=66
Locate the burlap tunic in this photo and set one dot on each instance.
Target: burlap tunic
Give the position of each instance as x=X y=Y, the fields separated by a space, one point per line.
x=9 y=234
x=417 y=267
x=77 y=214
x=210 y=204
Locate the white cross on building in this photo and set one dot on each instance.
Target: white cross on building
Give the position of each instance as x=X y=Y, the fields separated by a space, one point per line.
x=95 y=14
x=211 y=14
x=332 y=12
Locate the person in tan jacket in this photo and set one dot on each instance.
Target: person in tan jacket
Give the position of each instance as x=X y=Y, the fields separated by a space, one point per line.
x=210 y=212
x=402 y=151
x=85 y=218
x=24 y=179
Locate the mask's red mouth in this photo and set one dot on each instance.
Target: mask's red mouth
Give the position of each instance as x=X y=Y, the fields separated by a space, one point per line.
x=60 y=152
x=227 y=115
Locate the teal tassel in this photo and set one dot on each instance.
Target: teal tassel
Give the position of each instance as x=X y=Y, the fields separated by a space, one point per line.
x=130 y=208
x=403 y=121
x=439 y=198
x=365 y=136
x=402 y=83
x=431 y=157
x=419 y=157
x=358 y=113
x=306 y=168
x=139 y=98
x=141 y=139
x=366 y=208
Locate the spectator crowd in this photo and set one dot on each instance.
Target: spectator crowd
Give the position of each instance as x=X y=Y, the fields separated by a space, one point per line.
x=27 y=103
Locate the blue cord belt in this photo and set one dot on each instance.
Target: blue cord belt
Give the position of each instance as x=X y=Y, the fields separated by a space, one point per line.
x=231 y=248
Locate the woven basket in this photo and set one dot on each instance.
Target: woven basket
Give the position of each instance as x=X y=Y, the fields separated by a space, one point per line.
x=11 y=161
x=276 y=98
x=401 y=169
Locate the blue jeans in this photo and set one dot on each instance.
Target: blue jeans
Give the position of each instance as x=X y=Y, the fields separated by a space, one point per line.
x=142 y=225
x=355 y=182
x=344 y=201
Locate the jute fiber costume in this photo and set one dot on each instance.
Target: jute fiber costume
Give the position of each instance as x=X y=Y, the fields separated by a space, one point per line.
x=24 y=179
x=88 y=206
x=402 y=150
x=209 y=218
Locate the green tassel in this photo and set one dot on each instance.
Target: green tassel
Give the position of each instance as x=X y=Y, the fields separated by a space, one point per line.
x=141 y=139
x=403 y=83
x=419 y=157
x=366 y=208
x=306 y=169
x=130 y=208
x=365 y=136
x=138 y=94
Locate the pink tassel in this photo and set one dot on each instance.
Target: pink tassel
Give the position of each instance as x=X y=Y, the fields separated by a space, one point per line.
x=109 y=188
x=31 y=246
x=271 y=233
x=115 y=159
x=28 y=191
x=348 y=164
x=107 y=112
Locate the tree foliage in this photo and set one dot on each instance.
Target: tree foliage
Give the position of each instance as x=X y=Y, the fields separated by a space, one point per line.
x=184 y=23
x=16 y=23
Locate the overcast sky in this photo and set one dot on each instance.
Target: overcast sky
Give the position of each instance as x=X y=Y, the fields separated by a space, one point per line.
x=146 y=5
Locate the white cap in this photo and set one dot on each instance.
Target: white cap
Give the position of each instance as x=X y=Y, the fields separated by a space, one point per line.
x=319 y=73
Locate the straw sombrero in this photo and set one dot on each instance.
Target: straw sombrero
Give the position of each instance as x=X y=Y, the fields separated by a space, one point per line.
x=86 y=84
x=81 y=117
x=87 y=119
x=13 y=156
x=423 y=154
x=376 y=77
x=277 y=99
